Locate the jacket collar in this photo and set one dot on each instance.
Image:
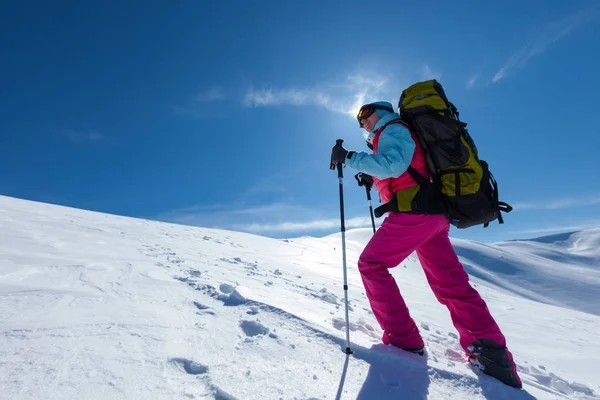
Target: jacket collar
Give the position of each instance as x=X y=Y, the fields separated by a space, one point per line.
x=382 y=121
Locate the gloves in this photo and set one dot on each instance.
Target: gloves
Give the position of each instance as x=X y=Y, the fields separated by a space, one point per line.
x=364 y=180
x=338 y=155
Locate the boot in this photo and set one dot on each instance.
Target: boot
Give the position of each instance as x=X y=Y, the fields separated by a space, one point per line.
x=386 y=339
x=494 y=360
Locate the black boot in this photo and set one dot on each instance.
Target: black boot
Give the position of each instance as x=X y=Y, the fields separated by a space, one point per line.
x=417 y=350
x=494 y=360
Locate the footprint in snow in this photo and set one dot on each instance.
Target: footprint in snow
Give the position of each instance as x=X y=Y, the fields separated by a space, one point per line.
x=226 y=288
x=200 y=306
x=249 y=266
x=233 y=298
x=253 y=328
x=171 y=258
x=252 y=311
x=189 y=366
x=229 y=295
x=454 y=355
x=327 y=297
x=201 y=372
x=552 y=381
x=208 y=290
x=361 y=326
x=163 y=252
x=203 y=310
x=186 y=279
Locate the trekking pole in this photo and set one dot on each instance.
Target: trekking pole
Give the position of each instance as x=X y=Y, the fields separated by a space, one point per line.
x=363 y=182
x=343 y=226
x=370 y=208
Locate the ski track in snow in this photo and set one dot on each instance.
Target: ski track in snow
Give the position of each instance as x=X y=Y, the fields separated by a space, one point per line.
x=235 y=322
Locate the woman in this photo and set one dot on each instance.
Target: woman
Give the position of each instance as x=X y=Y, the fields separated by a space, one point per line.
x=396 y=156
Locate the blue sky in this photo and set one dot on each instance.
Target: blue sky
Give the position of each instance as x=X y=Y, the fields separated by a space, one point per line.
x=223 y=114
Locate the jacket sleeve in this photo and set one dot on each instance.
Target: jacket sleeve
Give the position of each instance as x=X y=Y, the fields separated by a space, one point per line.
x=394 y=153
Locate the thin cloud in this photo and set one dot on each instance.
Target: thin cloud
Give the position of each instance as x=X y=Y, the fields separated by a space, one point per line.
x=559 y=203
x=345 y=97
x=210 y=213
x=471 y=81
x=264 y=219
x=293 y=96
x=227 y=216
x=314 y=225
x=250 y=206
x=543 y=42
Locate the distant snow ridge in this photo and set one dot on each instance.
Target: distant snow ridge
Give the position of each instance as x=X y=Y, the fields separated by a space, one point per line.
x=586 y=243
x=562 y=269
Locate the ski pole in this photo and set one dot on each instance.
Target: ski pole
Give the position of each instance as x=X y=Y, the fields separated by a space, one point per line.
x=343 y=229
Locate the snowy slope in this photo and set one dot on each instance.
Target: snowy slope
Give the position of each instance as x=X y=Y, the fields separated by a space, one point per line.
x=563 y=269
x=94 y=306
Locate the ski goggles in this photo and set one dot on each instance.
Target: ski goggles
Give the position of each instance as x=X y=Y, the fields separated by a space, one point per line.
x=368 y=109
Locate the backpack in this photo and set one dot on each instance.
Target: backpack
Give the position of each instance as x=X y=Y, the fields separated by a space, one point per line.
x=468 y=189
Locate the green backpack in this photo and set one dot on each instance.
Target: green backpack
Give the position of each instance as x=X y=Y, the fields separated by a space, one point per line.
x=469 y=190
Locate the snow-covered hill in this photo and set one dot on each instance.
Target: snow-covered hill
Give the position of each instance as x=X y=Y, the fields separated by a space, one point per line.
x=563 y=269
x=94 y=306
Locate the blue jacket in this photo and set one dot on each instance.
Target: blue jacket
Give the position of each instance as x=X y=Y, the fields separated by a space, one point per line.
x=394 y=151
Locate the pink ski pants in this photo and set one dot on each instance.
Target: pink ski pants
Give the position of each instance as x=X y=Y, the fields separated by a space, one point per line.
x=400 y=235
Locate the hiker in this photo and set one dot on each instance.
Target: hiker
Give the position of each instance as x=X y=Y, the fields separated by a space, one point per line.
x=395 y=149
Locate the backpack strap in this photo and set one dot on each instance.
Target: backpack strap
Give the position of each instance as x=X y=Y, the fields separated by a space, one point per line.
x=502 y=206
x=394 y=121
x=420 y=179
x=381 y=128
x=416 y=175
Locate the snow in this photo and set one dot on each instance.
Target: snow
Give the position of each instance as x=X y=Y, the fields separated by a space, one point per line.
x=562 y=270
x=96 y=306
